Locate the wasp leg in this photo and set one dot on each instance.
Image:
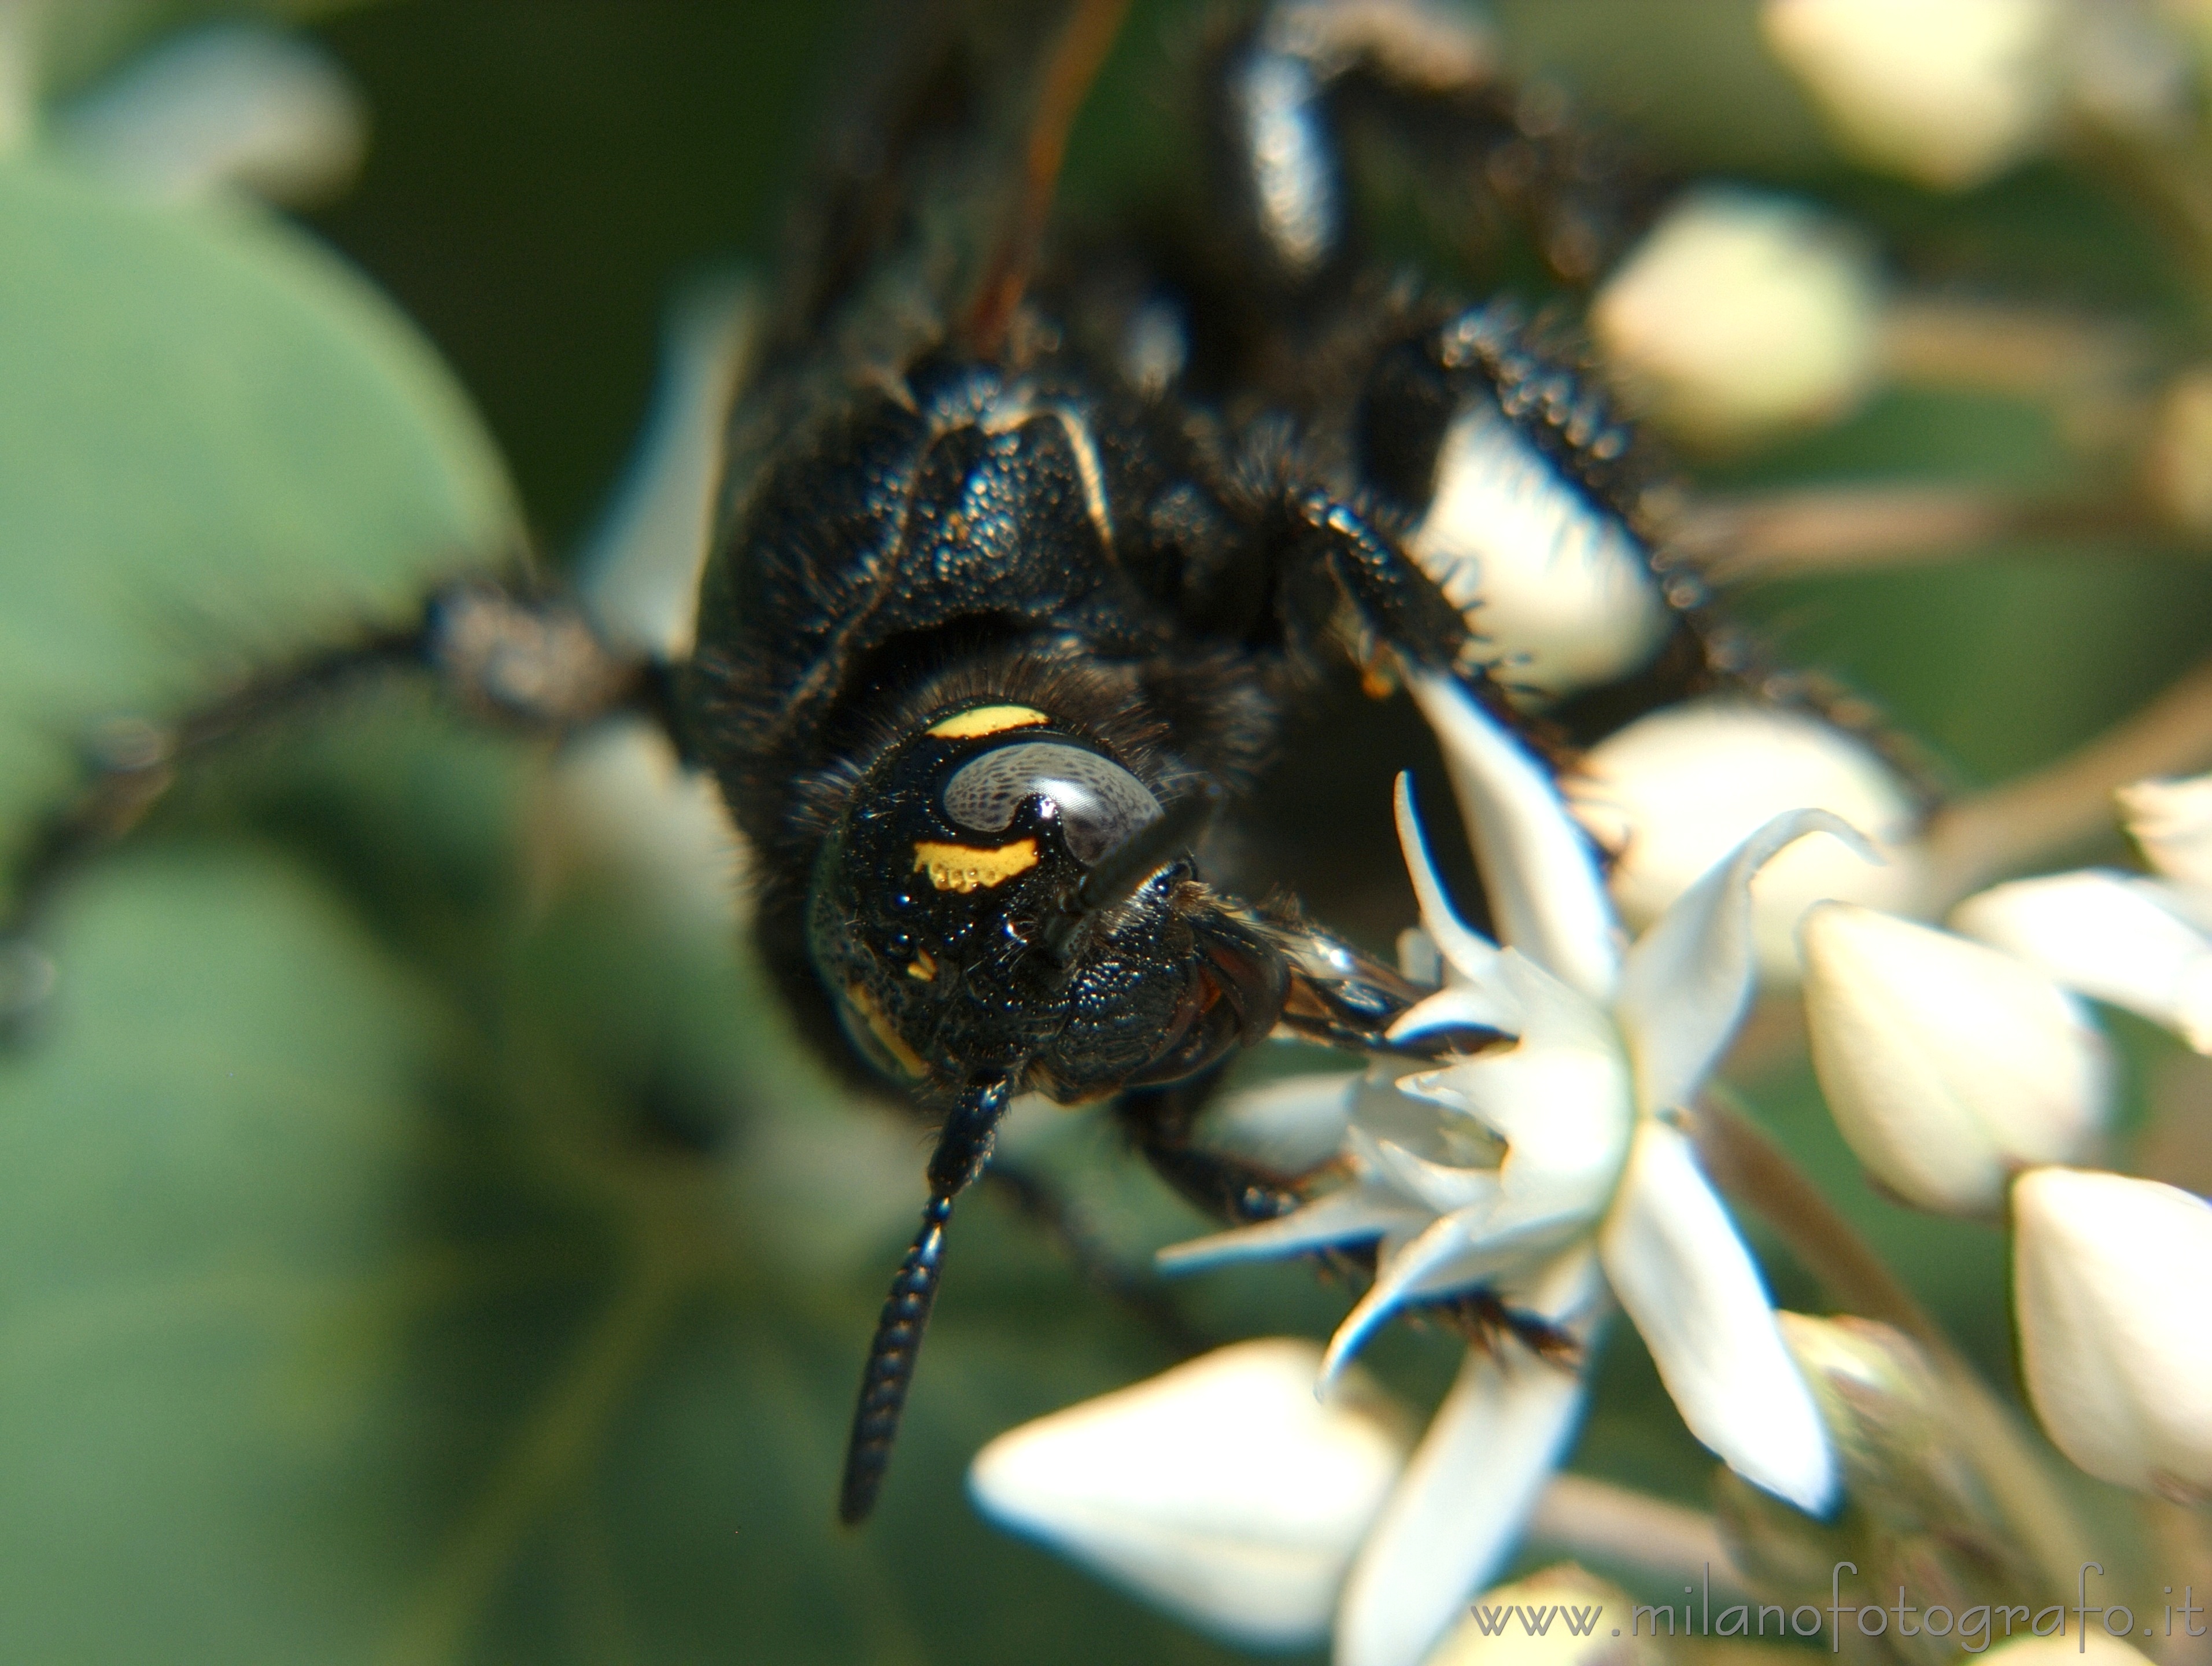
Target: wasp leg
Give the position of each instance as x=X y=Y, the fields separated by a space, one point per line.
x=530 y=663
x=1287 y=88
x=1047 y=1206
x=963 y=1146
x=1162 y=1122
x=1399 y=607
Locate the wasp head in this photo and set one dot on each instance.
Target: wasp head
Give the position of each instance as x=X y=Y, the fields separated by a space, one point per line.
x=1004 y=898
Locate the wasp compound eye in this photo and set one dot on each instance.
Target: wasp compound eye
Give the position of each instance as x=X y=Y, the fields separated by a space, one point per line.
x=1100 y=803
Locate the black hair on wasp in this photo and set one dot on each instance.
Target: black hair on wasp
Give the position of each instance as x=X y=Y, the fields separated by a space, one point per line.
x=1034 y=538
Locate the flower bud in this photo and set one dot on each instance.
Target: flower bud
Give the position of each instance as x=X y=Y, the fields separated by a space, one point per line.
x=2109 y=1279
x=2115 y=937
x=2172 y=822
x=1947 y=92
x=2062 y=1650
x=1551 y=1617
x=1919 y=1511
x=1674 y=793
x=1947 y=1064
x=1739 y=314
x=1222 y=1490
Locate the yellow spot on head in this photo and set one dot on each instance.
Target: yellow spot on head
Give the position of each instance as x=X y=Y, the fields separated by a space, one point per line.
x=923 y=967
x=979 y=720
x=857 y=996
x=965 y=868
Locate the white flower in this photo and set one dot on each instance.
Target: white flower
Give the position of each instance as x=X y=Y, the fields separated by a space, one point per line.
x=2111 y=1276
x=2139 y=943
x=1540 y=1173
x=1948 y=92
x=1948 y=1066
x=1221 y=1490
x=1674 y=793
x=1740 y=313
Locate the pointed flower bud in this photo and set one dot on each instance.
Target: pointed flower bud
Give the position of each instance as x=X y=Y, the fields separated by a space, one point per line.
x=2171 y=821
x=1948 y=1065
x=2110 y=1275
x=1741 y=313
x=1673 y=792
x=1947 y=92
x=1223 y=1490
x=2114 y=937
x=2091 y=1646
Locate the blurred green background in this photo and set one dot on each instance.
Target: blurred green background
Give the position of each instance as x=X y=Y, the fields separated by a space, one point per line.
x=419 y=1240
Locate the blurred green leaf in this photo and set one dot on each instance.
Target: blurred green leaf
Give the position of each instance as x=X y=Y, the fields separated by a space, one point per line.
x=343 y=1320
x=217 y=446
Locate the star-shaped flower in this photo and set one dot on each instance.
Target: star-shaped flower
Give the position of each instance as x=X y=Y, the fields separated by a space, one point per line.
x=1542 y=1174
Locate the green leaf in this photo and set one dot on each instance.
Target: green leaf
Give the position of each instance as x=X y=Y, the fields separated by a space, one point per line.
x=217 y=446
x=343 y=1319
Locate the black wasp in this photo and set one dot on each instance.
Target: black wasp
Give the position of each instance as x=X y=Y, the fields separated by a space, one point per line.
x=1034 y=536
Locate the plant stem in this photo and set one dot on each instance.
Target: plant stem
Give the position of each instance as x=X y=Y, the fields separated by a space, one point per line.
x=1601 y=1522
x=2065 y=804
x=1754 y=1171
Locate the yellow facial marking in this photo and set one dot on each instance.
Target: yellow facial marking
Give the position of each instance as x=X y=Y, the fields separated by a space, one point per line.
x=922 y=967
x=965 y=868
x=987 y=720
x=880 y=1027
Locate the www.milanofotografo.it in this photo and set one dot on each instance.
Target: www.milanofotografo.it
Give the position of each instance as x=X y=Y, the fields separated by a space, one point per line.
x=1976 y=1628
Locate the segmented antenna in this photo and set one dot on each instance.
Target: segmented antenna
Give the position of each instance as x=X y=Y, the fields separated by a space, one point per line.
x=963 y=1146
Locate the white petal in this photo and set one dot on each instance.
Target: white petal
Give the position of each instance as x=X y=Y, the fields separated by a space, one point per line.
x=1350 y=1216
x=1674 y=793
x=1948 y=1065
x=2112 y=936
x=1474 y=1246
x=1561 y=1098
x=1444 y=1187
x=1542 y=879
x=1459 y=1509
x=639 y=573
x=2111 y=1277
x=2171 y=820
x=1460 y=1006
x=1291 y=1126
x=1221 y=1490
x=1741 y=313
x=228 y=103
x=1562 y=592
x=1687 y=979
x=1949 y=92
x=1478 y=994
x=1678 y=1267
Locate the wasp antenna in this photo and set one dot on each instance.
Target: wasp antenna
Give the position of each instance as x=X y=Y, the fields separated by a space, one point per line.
x=1076 y=60
x=1129 y=864
x=963 y=1146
